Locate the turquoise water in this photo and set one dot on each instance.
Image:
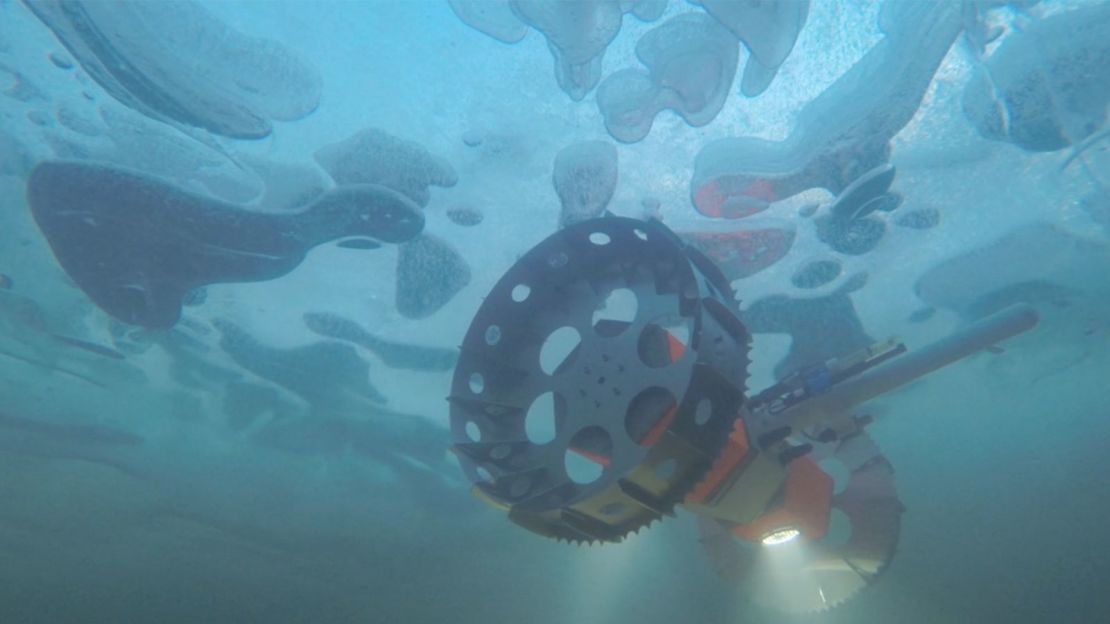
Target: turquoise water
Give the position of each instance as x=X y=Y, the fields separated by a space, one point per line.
x=225 y=467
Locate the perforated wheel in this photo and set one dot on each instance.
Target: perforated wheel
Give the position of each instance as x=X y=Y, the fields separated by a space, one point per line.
x=598 y=380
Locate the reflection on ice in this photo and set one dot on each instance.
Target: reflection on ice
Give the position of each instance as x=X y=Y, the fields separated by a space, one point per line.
x=768 y=29
x=842 y=133
x=821 y=327
x=1046 y=87
x=691 y=60
x=373 y=156
x=396 y=354
x=585 y=177
x=138 y=246
x=577 y=33
x=1037 y=263
x=173 y=60
x=493 y=17
x=430 y=272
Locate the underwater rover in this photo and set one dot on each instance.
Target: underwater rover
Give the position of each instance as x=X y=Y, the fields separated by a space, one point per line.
x=602 y=383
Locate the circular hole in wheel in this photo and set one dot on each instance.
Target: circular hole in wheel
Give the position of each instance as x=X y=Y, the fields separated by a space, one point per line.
x=616 y=313
x=588 y=454
x=544 y=415
x=649 y=414
x=477 y=383
x=599 y=238
x=664 y=340
x=493 y=335
x=473 y=431
x=521 y=292
x=559 y=349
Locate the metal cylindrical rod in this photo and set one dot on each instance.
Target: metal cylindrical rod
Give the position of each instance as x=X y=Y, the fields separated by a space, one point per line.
x=918 y=362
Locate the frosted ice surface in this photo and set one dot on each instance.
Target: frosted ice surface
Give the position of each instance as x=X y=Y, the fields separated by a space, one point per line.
x=627 y=102
x=430 y=272
x=585 y=177
x=768 y=29
x=325 y=374
x=465 y=216
x=137 y=246
x=392 y=353
x=77 y=122
x=17 y=86
x=373 y=156
x=822 y=327
x=743 y=251
x=1031 y=264
x=172 y=59
x=844 y=131
x=288 y=186
x=493 y=17
x=691 y=61
x=15 y=158
x=1046 y=87
x=645 y=10
x=577 y=34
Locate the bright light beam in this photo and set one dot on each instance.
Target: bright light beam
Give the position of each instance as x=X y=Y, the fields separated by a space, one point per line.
x=781 y=536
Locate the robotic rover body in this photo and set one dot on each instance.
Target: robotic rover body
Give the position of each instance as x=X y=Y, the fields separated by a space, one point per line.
x=602 y=383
